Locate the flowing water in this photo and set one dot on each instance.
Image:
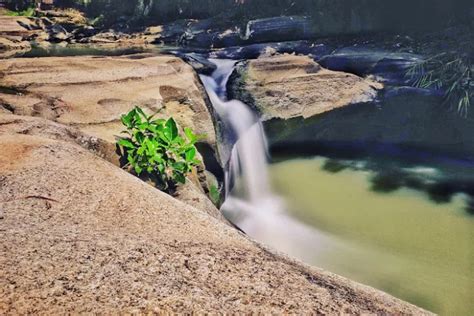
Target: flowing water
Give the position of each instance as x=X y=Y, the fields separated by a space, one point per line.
x=398 y=240
x=250 y=202
x=401 y=241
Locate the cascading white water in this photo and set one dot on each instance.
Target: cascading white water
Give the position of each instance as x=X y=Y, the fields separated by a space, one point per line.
x=248 y=160
x=254 y=207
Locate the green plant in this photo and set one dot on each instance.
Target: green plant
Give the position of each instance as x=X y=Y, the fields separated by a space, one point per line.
x=28 y=12
x=215 y=195
x=153 y=147
x=449 y=72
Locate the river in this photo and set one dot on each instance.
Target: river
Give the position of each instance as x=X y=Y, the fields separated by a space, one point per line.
x=332 y=213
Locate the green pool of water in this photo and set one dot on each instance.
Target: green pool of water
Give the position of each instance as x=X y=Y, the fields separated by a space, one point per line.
x=399 y=241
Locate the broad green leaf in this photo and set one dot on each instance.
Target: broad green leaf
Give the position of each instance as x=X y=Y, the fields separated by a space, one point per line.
x=126 y=143
x=180 y=166
x=151 y=146
x=155 y=146
x=140 y=112
x=180 y=178
x=138 y=169
x=139 y=136
x=171 y=130
x=190 y=154
x=189 y=134
x=159 y=122
x=141 y=150
x=157 y=158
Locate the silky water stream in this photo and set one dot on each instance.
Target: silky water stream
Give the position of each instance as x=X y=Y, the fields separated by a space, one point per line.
x=400 y=242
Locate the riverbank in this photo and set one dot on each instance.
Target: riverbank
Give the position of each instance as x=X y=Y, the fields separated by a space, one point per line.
x=82 y=235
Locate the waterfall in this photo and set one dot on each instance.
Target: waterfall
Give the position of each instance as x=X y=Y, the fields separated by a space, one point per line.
x=251 y=204
x=249 y=157
x=248 y=160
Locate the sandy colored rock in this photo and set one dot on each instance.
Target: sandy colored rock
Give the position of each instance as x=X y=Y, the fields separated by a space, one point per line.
x=16 y=26
x=92 y=93
x=13 y=34
x=80 y=235
x=11 y=45
x=287 y=86
x=192 y=193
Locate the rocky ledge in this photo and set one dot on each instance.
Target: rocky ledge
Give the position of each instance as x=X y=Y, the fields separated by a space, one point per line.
x=81 y=235
x=288 y=86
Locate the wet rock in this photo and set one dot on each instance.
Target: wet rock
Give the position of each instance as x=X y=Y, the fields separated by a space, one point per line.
x=199 y=62
x=403 y=122
x=85 y=31
x=253 y=51
x=394 y=92
x=390 y=67
x=228 y=38
x=171 y=33
x=105 y=37
x=57 y=33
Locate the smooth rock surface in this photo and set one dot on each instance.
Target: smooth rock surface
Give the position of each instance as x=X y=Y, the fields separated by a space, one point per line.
x=14 y=32
x=80 y=235
x=288 y=86
x=92 y=93
x=280 y=28
x=391 y=67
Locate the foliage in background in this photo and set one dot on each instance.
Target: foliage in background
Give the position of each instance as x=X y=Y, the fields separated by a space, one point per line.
x=390 y=15
x=30 y=11
x=155 y=148
x=451 y=73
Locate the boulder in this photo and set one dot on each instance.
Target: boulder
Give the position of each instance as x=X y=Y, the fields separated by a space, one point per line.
x=16 y=26
x=85 y=31
x=80 y=235
x=199 y=62
x=284 y=28
x=390 y=67
x=13 y=44
x=253 y=51
x=57 y=33
x=394 y=92
x=288 y=86
x=153 y=30
x=91 y=93
x=404 y=120
x=15 y=33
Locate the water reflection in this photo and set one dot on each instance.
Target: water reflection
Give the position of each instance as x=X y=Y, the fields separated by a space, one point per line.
x=440 y=185
x=384 y=228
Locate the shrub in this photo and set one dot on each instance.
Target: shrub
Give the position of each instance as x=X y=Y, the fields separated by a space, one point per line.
x=450 y=72
x=154 y=148
x=28 y=12
x=215 y=195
